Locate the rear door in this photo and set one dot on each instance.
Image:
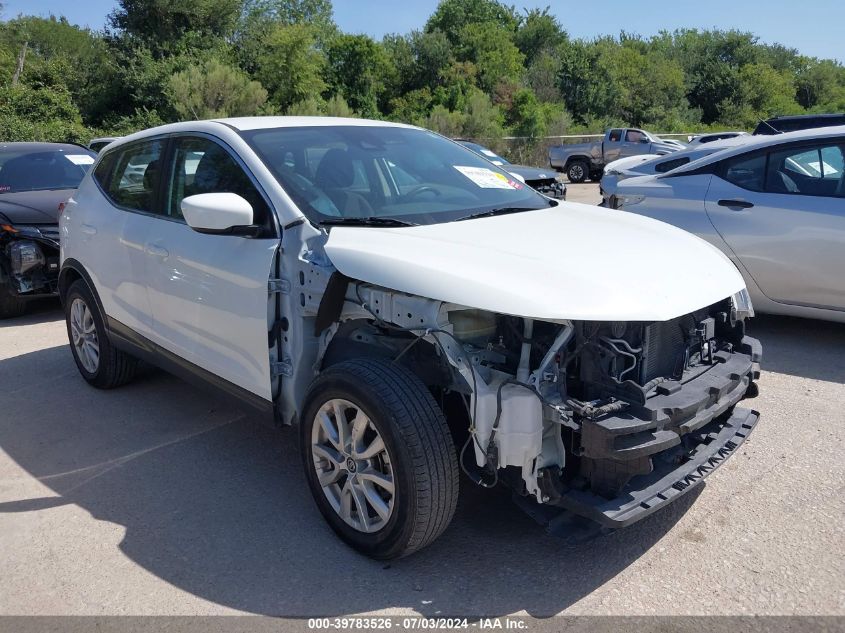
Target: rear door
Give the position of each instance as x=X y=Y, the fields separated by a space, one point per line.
x=113 y=227
x=209 y=293
x=782 y=212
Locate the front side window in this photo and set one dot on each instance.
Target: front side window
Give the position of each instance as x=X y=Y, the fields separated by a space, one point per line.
x=39 y=170
x=634 y=136
x=133 y=181
x=745 y=171
x=202 y=166
x=406 y=174
x=812 y=171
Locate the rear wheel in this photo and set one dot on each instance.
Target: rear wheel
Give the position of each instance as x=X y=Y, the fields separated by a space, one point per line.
x=11 y=305
x=100 y=363
x=378 y=457
x=578 y=171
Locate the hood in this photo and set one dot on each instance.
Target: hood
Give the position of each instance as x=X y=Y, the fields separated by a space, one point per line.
x=33 y=207
x=662 y=147
x=573 y=261
x=530 y=173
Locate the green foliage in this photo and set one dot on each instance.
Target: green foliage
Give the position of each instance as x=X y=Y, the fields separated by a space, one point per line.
x=356 y=67
x=477 y=69
x=290 y=66
x=213 y=90
x=159 y=23
x=539 y=32
x=452 y=16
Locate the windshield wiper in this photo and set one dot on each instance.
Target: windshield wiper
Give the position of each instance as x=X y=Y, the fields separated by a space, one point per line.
x=367 y=221
x=497 y=211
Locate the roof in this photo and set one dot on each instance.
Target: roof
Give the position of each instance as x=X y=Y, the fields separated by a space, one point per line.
x=748 y=144
x=269 y=122
x=41 y=147
x=794 y=117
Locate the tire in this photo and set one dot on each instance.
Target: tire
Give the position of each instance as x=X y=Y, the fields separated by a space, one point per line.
x=112 y=367
x=387 y=401
x=11 y=305
x=577 y=171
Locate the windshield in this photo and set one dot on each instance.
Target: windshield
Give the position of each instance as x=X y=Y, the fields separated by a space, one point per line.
x=42 y=170
x=405 y=174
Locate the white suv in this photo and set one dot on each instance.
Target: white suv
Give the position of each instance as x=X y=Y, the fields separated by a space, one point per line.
x=414 y=309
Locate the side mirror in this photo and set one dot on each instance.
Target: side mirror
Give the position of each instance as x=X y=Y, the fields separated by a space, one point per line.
x=645 y=139
x=219 y=214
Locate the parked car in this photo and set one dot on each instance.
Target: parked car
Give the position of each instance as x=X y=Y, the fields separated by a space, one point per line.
x=583 y=161
x=630 y=167
x=35 y=178
x=794 y=123
x=97 y=144
x=714 y=136
x=775 y=205
x=539 y=179
x=413 y=308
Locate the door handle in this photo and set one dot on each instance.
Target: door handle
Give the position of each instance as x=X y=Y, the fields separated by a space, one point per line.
x=89 y=229
x=736 y=204
x=156 y=251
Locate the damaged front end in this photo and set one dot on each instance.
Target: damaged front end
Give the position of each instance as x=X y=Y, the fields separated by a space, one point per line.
x=614 y=420
x=29 y=259
x=608 y=420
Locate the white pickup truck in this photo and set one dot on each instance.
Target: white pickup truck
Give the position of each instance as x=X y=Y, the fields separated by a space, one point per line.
x=583 y=161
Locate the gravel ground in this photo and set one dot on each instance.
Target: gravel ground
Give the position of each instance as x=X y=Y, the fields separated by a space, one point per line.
x=157 y=498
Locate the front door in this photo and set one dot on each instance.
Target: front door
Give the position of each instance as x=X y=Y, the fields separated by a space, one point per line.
x=209 y=293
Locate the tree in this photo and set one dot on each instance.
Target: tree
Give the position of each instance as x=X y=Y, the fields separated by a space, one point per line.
x=539 y=32
x=290 y=67
x=213 y=90
x=491 y=49
x=356 y=65
x=452 y=16
x=161 y=23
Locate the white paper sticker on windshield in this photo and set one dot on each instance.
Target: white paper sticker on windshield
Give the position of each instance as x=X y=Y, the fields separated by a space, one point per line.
x=487 y=152
x=80 y=159
x=487 y=178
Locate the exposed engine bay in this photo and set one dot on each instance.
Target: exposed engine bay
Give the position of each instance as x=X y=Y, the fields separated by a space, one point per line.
x=608 y=419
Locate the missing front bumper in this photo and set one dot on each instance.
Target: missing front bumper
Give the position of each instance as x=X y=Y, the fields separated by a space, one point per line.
x=646 y=494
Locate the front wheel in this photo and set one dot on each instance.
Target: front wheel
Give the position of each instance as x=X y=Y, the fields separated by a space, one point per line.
x=378 y=457
x=11 y=305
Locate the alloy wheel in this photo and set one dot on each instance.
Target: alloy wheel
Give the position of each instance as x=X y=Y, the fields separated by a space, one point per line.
x=84 y=335
x=353 y=465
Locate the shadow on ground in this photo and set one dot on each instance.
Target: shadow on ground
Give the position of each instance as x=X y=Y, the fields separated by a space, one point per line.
x=801 y=347
x=216 y=504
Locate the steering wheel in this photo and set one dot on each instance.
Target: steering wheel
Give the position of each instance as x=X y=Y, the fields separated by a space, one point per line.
x=422 y=189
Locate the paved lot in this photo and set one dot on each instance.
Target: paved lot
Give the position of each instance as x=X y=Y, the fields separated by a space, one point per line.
x=159 y=499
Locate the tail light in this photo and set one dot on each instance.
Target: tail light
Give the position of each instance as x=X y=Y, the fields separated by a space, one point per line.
x=62 y=207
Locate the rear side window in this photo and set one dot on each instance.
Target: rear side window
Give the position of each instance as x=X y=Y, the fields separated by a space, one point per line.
x=746 y=171
x=133 y=182
x=669 y=165
x=615 y=136
x=809 y=171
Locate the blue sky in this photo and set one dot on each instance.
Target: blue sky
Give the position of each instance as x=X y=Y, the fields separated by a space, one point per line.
x=813 y=28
